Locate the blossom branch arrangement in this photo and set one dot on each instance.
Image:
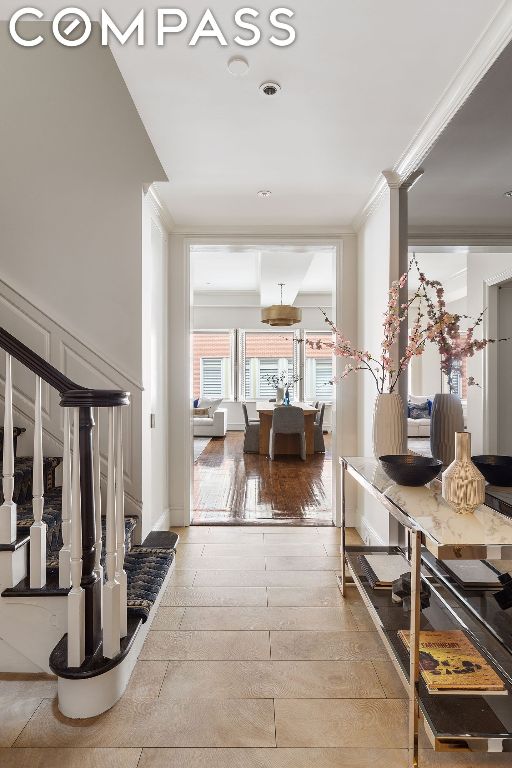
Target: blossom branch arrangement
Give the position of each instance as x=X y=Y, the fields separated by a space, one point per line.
x=281 y=380
x=384 y=369
x=444 y=329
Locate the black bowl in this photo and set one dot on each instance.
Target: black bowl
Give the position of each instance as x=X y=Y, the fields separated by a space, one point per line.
x=497 y=470
x=411 y=470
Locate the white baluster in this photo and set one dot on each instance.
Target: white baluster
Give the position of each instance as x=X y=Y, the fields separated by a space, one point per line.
x=8 y=508
x=38 y=528
x=98 y=568
x=121 y=573
x=111 y=589
x=76 y=596
x=65 y=552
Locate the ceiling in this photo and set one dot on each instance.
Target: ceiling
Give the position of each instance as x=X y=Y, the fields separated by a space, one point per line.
x=222 y=270
x=357 y=85
x=470 y=167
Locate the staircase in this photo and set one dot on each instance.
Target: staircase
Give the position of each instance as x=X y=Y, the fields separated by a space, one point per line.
x=77 y=594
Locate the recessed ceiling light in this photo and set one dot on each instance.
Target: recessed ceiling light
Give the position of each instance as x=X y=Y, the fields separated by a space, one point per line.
x=270 y=88
x=508 y=194
x=264 y=193
x=238 y=66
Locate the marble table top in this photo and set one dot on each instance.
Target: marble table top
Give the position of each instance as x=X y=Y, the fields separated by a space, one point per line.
x=484 y=534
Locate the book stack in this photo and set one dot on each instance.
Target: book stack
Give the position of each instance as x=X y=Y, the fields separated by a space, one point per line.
x=450 y=664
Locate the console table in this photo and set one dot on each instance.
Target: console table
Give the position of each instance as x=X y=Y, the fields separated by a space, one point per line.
x=430 y=531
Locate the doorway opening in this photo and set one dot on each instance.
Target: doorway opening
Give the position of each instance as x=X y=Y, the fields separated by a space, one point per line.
x=239 y=369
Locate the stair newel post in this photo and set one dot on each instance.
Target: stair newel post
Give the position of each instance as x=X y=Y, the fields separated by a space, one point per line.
x=8 y=508
x=111 y=589
x=121 y=573
x=76 y=597
x=38 y=528
x=65 y=552
x=98 y=568
x=90 y=581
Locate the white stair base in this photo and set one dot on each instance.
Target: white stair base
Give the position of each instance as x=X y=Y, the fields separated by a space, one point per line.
x=13 y=567
x=30 y=628
x=92 y=696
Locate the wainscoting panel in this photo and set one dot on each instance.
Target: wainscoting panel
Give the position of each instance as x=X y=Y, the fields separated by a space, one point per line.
x=81 y=364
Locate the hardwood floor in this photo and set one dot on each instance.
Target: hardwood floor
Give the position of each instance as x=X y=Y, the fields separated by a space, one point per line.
x=231 y=486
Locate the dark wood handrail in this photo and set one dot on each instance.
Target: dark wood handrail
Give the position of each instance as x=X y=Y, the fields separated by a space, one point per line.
x=72 y=394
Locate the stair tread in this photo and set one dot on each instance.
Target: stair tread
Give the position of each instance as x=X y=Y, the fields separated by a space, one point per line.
x=96 y=664
x=23 y=588
x=146 y=570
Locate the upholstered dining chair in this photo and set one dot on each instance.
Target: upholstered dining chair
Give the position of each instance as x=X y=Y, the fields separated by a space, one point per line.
x=287 y=420
x=252 y=433
x=319 y=430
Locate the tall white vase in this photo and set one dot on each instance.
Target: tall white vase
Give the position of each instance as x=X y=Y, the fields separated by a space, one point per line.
x=446 y=419
x=463 y=483
x=389 y=426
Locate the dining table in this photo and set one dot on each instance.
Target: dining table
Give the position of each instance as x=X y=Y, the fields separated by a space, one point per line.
x=287 y=445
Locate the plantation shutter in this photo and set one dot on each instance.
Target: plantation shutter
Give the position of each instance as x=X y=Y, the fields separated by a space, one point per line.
x=268 y=367
x=323 y=375
x=212 y=377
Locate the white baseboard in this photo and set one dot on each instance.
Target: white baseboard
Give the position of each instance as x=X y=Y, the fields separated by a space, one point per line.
x=164 y=521
x=368 y=534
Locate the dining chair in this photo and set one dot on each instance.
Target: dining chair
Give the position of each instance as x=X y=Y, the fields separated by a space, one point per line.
x=252 y=433
x=287 y=420
x=319 y=430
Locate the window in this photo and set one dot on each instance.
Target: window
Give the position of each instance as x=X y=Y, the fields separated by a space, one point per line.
x=318 y=370
x=212 y=373
x=266 y=355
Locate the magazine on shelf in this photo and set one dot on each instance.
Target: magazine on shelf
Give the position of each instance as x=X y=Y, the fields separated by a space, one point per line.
x=450 y=664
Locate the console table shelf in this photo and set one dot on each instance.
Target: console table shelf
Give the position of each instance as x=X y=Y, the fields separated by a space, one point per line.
x=430 y=529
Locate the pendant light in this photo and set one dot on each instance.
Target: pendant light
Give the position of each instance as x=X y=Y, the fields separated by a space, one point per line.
x=281 y=315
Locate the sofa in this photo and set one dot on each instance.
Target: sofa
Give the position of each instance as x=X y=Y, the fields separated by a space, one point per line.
x=209 y=420
x=418 y=427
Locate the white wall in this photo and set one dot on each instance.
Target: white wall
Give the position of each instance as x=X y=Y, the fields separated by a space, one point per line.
x=155 y=443
x=378 y=267
x=74 y=157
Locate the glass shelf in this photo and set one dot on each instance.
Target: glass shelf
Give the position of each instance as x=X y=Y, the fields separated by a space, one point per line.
x=453 y=722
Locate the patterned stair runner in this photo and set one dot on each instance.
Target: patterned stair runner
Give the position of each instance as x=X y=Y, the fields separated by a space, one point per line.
x=146 y=567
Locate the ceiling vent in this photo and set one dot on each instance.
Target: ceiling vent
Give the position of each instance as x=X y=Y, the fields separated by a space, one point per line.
x=270 y=89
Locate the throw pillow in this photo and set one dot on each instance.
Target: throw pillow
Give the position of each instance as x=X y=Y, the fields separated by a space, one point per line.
x=201 y=412
x=419 y=411
x=212 y=405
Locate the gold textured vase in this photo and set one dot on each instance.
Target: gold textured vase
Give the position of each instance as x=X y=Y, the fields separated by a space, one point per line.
x=463 y=483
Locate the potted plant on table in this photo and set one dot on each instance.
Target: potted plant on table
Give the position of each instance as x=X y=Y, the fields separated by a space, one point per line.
x=389 y=424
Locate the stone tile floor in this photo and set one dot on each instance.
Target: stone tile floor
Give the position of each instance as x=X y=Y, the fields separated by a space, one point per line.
x=254 y=661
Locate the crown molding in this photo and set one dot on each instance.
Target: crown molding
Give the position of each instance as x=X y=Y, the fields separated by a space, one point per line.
x=460 y=236
x=481 y=57
x=161 y=210
x=280 y=231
